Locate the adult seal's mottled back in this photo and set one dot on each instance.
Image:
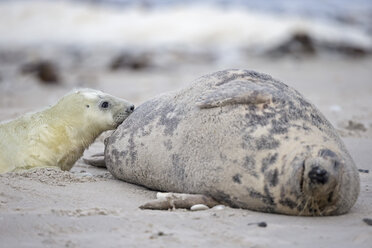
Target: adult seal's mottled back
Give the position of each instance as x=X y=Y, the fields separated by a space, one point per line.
x=242 y=138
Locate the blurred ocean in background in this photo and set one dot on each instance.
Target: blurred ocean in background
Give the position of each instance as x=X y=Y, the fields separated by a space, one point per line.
x=43 y=37
x=221 y=26
x=356 y=12
x=136 y=49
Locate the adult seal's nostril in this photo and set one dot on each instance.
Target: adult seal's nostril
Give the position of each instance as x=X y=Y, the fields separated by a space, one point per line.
x=130 y=109
x=318 y=175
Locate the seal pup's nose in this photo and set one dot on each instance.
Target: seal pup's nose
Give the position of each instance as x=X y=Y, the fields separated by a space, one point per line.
x=130 y=109
x=318 y=175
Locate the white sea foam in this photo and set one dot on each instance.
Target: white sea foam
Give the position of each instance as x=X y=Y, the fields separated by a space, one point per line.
x=192 y=26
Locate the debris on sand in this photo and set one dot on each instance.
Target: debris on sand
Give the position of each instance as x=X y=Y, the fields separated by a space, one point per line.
x=368 y=221
x=131 y=61
x=259 y=224
x=355 y=126
x=300 y=43
x=46 y=71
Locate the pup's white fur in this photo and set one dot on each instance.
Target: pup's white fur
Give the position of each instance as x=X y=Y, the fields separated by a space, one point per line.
x=58 y=136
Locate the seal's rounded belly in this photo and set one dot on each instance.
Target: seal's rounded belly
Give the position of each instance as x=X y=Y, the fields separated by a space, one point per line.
x=243 y=138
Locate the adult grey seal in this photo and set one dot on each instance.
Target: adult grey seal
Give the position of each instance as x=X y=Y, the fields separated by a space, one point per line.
x=241 y=138
x=58 y=136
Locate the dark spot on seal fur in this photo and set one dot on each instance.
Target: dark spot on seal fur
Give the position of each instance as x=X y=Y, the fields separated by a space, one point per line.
x=168 y=144
x=247 y=142
x=266 y=198
x=304 y=104
x=278 y=127
x=302 y=176
x=305 y=127
x=269 y=196
x=250 y=165
x=115 y=153
x=317 y=120
x=236 y=178
x=330 y=197
x=123 y=154
x=255 y=119
x=266 y=143
x=273 y=178
x=170 y=123
x=288 y=203
x=222 y=197
x=327 y=153
x=268 y=160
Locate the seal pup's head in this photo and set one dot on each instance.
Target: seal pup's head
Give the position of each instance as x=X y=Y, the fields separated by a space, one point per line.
x=95 y=108
x=78 y=119
x=58 y=135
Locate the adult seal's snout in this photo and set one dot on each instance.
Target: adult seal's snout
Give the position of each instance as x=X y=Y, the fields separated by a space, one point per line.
x=318 y=175
x=130 y=109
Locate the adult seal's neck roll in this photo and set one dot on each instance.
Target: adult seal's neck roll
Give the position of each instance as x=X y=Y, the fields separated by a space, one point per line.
x=58 y=136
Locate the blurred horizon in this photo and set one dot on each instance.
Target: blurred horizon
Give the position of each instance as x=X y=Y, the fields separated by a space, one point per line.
x=137 y=49
x=208 y=24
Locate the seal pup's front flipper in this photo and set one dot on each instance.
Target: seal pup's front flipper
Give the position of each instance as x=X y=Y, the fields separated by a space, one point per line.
x=167 y=201
x=236 y=92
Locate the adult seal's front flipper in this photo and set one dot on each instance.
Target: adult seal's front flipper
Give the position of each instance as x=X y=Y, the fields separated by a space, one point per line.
x=97 y=160
x=236 y=92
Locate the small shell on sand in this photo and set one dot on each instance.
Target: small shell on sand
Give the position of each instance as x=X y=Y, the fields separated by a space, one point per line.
x=163 y=196
x=219 y=207
x=198 y=207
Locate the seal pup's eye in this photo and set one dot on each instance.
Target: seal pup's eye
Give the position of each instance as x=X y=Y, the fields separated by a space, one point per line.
x=105 y=104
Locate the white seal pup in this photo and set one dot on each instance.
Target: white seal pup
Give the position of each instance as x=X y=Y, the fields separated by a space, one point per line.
x=244 y=139
x=58 y=136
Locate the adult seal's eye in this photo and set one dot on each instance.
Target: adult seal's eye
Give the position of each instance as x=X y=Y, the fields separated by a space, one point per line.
x=104 y=105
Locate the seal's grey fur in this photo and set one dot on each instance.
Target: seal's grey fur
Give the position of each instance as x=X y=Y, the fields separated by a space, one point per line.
x=243 y=138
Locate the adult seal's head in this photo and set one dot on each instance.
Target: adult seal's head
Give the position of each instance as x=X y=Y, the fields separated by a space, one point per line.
x=326 y=182
x=58 y=136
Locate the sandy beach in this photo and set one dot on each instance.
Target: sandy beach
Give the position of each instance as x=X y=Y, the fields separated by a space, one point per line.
x=88 y=207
